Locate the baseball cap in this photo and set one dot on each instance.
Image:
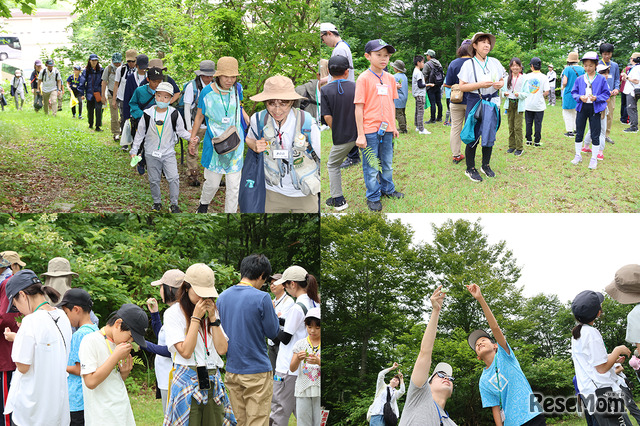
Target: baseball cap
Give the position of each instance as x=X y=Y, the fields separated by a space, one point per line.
x=76 y=297
x=602 y=67
x=275 y=277
x=142 y=61
x=293 y=273
x=378 y=44
x=49 y=62
x=473 y=338
x=77 y=67
x=201 y=279
x=93 y=57
x=4 y=263
x=586 y=305
x=327 y=26
x=313 y=313
x=137 y=321
x=13 y=257
x=164 y=87
x=338 y=64
x=431 y=53
x=173 y=277
x=18 y=282
x=535 y=61
x=155 y=74
x=442 y=367
x=116 y=58
x=593 y=56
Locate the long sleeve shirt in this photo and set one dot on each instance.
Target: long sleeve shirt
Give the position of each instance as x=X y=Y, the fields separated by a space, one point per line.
x=599 y=88
x=151 y=136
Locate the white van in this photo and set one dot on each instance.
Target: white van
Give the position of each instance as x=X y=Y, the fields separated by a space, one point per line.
x=10 y=48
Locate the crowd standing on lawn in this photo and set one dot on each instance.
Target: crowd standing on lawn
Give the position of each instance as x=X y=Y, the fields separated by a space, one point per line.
x=64 y=378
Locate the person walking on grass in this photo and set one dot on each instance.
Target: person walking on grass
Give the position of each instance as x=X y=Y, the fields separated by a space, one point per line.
x=503 y=385
x=49 y=84
x=433 y=79
x=90 y=89
x=18 y=89
x=419 y=91
x=514 y=105
x=108 y=91
x=458 y=104
x=604 y=71
x=73 y=83
x=537 y=86
x=35 y=85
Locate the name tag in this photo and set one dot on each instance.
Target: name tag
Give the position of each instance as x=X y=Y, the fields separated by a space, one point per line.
x=382 y=89
x=210 y=364
x=281 y=154
x=225 y=120
x=156 y=154
x=484 y=77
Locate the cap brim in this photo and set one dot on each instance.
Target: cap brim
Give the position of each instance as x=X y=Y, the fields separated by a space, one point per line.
x=10 y=306
x=473 y=338
x=205 y=291
x=139 y=339
x=444 y=367
x=261 y=97
x=155 y=283
x=619 y=296
x=280 y=281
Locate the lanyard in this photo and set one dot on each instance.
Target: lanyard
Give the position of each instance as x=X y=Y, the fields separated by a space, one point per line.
x=206 y=347
x=498 y=380
x=589 y=81
x=226 y=108
x=513 y=86
x=110 y=350
x=314 y=349
x=482 y=67
x=38 y=307
x=379 y=76
x=160 y=133
x=440 y=415
x=340 y=89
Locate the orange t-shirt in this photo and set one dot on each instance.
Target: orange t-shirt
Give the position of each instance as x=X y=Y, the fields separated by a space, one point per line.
x=377 y=100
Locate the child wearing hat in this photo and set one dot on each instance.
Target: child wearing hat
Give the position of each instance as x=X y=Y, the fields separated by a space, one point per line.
x=159 y=128
x=77 y=303
x=18 y=89
x=105 y=363
x=402 y=84
x=603 y=70
x=511 y=399
x=594 y=367
x=306 y=360
x=49 y=85
x=552 y=76
x=38 y=393
x=591 y=93
x=73 y=82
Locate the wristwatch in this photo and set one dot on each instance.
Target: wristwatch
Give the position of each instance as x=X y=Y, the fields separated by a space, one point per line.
x=216 y=323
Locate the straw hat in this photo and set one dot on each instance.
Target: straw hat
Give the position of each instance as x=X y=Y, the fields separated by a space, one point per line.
x=227 y=66
x=277 y=87
x=492 y=38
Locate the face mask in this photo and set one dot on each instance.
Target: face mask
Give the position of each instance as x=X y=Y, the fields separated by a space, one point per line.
x=162 y=105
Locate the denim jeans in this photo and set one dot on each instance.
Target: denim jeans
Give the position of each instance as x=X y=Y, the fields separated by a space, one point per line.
x=378 y=183
x=377 y=420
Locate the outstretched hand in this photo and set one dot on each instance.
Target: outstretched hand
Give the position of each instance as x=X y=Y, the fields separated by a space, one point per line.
x=474 y=289
x=395 y=365
x=437 y=298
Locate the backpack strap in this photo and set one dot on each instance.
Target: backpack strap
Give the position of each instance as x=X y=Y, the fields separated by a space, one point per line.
x=261 y=122
x=304 y=308
x=147 y=119
x=174 y=119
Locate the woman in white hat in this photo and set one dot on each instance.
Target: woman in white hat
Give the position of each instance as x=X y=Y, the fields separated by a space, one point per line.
x=196 y=341
x=291 y=169
x=223 y=150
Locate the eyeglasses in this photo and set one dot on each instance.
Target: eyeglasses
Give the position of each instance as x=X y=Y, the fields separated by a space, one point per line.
x=322 y=35
x=278 y=104
x=443 y=375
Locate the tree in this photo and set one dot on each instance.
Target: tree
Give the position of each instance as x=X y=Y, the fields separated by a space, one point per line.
x=617 y=23
x=26 y=6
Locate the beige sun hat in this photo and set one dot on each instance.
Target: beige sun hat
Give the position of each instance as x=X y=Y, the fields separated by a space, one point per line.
x=130 y=55
x=492 y=38
x=157 y=63
x=59 y=267
x=12 y=257
x=573 y=57
x=277 y=87
x=227 y=66
x=625 y=287
x=201 y=279
x=172 y=278
x=293 y=273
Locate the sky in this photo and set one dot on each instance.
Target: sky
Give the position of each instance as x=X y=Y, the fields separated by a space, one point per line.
x=560 y=254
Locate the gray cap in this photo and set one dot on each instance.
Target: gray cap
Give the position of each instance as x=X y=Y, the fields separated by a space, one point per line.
x=137 y=321
x=473 y=338
x=586 y=305
x=207 y=68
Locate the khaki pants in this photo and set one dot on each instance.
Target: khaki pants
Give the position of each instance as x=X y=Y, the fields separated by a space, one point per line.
x=193 y=164
x=210 y=414
x=336 y=156
x=278 y=203
x=212 y=183
x=457 y=122
x=115 y=119
x=250 y=396
x=515 y=125
x=53 y=96
x=611 y=103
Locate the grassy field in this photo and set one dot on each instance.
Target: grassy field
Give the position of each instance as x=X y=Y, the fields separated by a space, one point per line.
x=541 y=180
x=53 y=164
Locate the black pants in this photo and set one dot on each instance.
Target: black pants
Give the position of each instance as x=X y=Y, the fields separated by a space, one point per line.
x=623 y=108
x=77 y=418
x=92 y=106
x=470 y=155
x=354 y=154
x=536 y=421
x=586 y=113
x=73 y=109
x=435 y=98
x=529 y=118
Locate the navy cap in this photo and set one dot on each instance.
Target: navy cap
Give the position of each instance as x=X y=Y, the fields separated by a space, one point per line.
x=586 y=305
x=18 y=282
x=137 y=321
x=76 y=297
x=338 y=64
x=93 y=57
x=378 y=44
x=142 y=62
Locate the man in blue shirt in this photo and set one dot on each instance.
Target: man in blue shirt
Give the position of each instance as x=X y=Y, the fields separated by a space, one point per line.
x=248 y=318
x=403 y=93
x=503 y=385
x=606 y=51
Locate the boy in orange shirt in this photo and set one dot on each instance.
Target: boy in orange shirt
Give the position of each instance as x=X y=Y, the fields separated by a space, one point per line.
x=375 y=120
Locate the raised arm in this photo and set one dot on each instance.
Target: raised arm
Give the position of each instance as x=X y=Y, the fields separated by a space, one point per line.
x=493 y=324
x=422 y=366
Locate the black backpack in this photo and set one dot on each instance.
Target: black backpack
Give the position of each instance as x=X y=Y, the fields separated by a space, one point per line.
x=390 y=418
x=437 y=74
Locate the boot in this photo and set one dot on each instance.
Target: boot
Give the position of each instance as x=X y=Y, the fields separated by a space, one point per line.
x=202 y=208
x=192 y=179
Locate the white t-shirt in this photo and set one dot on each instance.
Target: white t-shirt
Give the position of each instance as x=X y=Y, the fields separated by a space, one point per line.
x=122 y=81
x=490 y=70
x=308 y=381
x=588 y=352
x=634 y=73
x=175 y=328
x=108 y=403
x=163 y=364
x=294 y=325
x=282 y=307
x=288 y=130
x=40 y=397
x=536 y=84
x=415 y=77
x=49 y=79
x=189 y=99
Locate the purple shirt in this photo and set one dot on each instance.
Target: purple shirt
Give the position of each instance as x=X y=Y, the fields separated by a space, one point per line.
x=599 y=88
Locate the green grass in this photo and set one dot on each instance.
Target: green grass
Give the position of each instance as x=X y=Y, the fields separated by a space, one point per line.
x=541 y=180
x=49 y=160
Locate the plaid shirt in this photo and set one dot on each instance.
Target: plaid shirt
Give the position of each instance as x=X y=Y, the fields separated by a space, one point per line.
x=184 y=387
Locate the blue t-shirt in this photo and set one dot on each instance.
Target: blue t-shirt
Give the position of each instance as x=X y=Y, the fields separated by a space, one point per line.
x=452 y=75
x=216 y=109
x=511 y=385
x=76 y=403
x=248 y=318
x=571 y=72
x=403 y=92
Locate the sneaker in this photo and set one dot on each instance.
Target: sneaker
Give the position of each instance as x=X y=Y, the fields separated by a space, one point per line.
x=448 y=123
x=518 y=152
x=631 y=130
x=79 y=117
x=116 y=138
x=609 y=140
x=141 y=167
x=570 y=134
x=430 y=122
x=98 y=129
x=71 y=116
x=374 y=206
x=203 y=208
x=438 y=120
x=349 y=162
x=576 y=160
x=585 y=149
x=487 y=171
x=175 y=209
x=337 y=203
x=156 y=207
x=394 y=194
x=593 y=163
x=600 y=156
x=473 y=175
x=424 y=132
x=510 y=150
x=537 y=144
x=458 y=158
x=529 y=143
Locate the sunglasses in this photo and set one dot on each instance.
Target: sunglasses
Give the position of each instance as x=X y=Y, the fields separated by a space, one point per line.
x=278 y=104
x=445 y=376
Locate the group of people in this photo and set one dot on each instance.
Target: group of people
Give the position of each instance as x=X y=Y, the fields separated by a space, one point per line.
x=602 y=387
x=59 y=346
x=363 y=113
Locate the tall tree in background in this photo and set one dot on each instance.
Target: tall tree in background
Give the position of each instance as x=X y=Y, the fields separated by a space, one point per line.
x=617 y=23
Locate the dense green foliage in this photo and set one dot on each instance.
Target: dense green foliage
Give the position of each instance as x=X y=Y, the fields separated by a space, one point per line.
x=376 y=283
